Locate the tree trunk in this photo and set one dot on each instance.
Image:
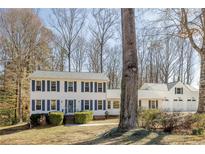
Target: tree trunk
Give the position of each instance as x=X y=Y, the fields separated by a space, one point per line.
x=130 y=72
x=20 y=110
x=201 y=107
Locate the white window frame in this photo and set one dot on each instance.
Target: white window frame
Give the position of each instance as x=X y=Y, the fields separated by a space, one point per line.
x=70 y=87
x=100 y=101
x=37 y=81
x=55 y=84
x=87 y=101
x=55 y=104
x=109 y=105
x=180 y=90
x=40 y=104
x=85 y=86
x=101 y=88
x=114 y=104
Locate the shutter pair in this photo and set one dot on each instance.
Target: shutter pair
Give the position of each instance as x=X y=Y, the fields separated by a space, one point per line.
x=66 y=86
x=34 y=105
x=43 y=105
x=49 y=105
x=43 y=85
x=49 y=85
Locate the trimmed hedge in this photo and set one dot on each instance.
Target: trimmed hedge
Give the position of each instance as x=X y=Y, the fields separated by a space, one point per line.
x=56 y=118
x=83 y=117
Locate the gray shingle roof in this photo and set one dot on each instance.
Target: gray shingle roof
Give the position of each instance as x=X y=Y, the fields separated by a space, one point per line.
x=171 y=84
x=69 y=75
x=154 y=86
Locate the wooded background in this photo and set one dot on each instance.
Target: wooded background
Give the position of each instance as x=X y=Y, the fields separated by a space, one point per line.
x=82 y=40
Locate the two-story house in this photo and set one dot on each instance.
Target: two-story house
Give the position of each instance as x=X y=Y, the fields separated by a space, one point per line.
x=68 y=92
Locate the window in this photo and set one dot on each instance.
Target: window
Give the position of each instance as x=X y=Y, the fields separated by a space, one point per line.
x=188 y=100
x=38 y=85
x=99 y=87
x=38 y=104
x=99 y=105
x=87 y=106
x=70 y=106
x=86 y=86
x=175 y=100
x=193 y=99
x=140 y=103
x=53 y=104
x=178 y=90
x=70 y=86
x=109 y=104
x=153 y=104
x=53 y=85
x=180 y=99
x=116 y=104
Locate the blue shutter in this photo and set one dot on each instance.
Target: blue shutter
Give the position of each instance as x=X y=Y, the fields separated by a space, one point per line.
x=91 y=104
x=48 y=105
x=82 y=105
x=33 y=85
x=66 y=109
x=104 y=87
x=43 y=85
x=43 y=105
x=58 y=86
x=74 y=105
x=91 y=86
x=95 y=86
x=96 y=105
x=104 y=104
x=65 y=86
x=58 y=105
x=33 y=105
x=75 y=86
x=48 y=85
x=82 y=86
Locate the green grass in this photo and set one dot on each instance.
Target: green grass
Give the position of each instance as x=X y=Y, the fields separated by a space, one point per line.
x=91 y=135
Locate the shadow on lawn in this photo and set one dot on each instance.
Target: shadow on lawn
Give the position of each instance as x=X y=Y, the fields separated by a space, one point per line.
x=131 y=137
x=20 y=128
x=14 y=129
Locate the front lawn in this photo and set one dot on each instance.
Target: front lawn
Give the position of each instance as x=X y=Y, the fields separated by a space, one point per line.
x=91 y=135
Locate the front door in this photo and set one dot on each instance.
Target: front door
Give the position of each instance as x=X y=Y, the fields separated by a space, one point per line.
x=69 y=106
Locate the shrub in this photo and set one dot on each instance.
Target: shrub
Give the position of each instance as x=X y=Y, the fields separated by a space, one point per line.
x=38 y=119
x=198 y=131
x=83 y=117
x=147 y=118
x=198 y=121
x=7 y=117
x=56 y=118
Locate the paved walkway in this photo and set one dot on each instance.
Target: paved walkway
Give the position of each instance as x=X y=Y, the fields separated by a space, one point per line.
x=86 y=125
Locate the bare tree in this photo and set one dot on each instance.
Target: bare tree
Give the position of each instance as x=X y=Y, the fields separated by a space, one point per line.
x=194 y=29
x=130 y=72
x=25 y=41
x=79 y=54
x=68 y=23
x=102 y=29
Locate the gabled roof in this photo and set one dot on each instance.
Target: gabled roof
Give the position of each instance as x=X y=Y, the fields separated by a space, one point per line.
x=154 y=87
x=171 y=85
x=69 y=75
x=191 y=88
